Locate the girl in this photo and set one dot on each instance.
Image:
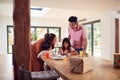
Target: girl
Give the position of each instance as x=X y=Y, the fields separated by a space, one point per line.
x=46 y=47
x=66 y=48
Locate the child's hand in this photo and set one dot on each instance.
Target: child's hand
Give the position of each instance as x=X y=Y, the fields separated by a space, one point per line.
x=74 y=53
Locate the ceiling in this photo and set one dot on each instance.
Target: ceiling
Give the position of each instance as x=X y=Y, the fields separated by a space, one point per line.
x=80 y=4
x=64 y=9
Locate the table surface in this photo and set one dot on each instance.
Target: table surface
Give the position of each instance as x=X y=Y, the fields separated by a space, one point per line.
x=102 y=70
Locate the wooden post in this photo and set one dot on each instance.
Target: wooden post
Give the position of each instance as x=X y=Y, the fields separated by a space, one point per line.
x=21 y=19
x=116 y=35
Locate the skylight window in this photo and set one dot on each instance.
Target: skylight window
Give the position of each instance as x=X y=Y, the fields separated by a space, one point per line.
x=38 y=11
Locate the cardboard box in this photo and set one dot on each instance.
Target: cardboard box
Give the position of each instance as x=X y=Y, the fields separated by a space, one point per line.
x=81 y=64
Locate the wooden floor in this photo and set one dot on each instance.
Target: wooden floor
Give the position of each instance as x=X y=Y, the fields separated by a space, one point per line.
x=6 y=68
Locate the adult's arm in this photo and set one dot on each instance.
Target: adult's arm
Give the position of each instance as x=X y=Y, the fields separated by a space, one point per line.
x=85 y=44
x=84 y=40
x=69 y=36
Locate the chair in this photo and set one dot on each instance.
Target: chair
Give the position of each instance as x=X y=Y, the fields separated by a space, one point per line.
x=39 y=75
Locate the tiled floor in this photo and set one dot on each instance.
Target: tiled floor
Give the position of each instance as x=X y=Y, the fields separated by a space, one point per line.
x=6 y=68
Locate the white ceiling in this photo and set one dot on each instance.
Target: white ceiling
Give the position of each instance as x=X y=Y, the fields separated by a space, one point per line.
x=62 y=9
x=79 y=4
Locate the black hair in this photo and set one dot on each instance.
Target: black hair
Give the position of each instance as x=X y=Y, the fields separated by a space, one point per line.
x=49 y=37
x=46 y=45
x=67 y=40
x=72 y=19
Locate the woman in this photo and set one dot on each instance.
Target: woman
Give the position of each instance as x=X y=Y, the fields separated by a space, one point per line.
x=37 y=64
x=66 y=48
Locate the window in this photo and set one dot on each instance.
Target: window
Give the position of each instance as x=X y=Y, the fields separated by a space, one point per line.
x=9 y=39
x=37 y=32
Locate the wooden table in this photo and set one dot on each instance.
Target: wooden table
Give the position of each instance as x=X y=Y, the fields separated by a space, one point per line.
x=103 y=70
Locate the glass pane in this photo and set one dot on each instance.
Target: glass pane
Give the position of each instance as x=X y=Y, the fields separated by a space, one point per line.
x=10 y=39
x=55 y=31
x=33 y=34
x=40 y=32
x=97 y=39
x=88 y=30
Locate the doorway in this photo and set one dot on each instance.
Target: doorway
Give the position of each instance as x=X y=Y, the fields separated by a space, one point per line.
x=93 y=37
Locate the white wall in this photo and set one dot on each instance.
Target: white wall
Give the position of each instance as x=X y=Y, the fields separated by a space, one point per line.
x=4 y=21
x=106 y=36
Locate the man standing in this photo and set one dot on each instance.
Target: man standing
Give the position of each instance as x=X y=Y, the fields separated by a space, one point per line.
x=77 y=35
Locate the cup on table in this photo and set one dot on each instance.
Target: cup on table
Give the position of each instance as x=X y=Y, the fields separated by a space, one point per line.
x=81 y=53
x=66 y=59
x=47 y=55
